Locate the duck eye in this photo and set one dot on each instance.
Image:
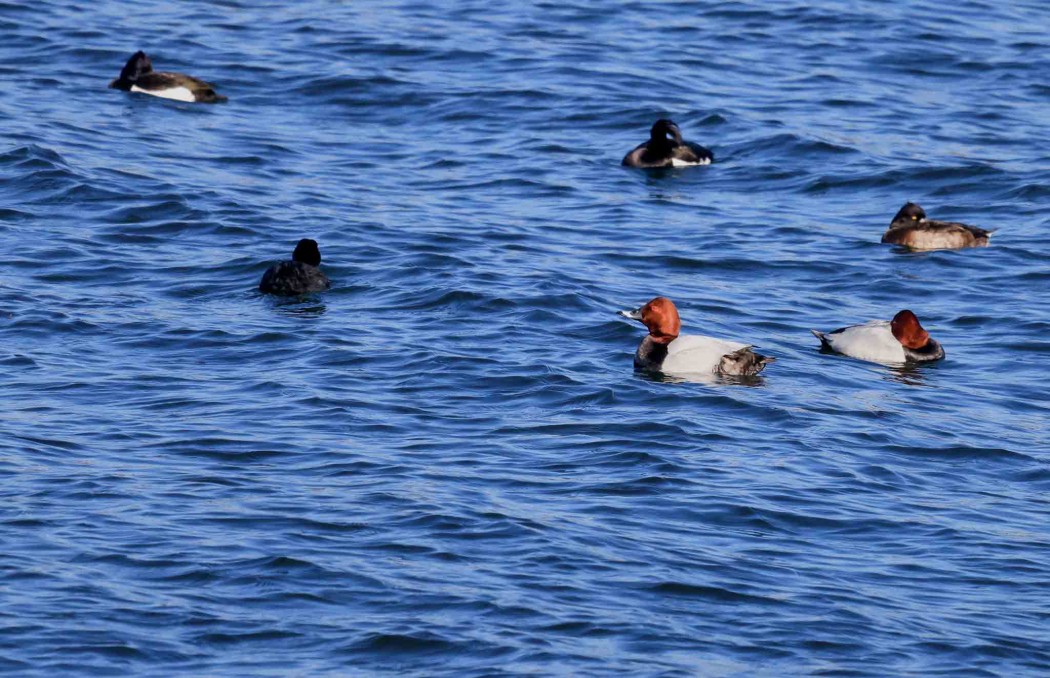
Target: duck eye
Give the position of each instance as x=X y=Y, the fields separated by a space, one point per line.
x=914 y=217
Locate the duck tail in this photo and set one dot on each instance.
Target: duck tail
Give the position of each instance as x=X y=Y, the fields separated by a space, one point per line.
x=744 y=363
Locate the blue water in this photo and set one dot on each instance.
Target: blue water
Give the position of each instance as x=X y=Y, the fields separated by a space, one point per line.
x=446 y=464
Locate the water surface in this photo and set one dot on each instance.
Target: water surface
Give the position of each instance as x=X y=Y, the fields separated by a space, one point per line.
x=446 y=464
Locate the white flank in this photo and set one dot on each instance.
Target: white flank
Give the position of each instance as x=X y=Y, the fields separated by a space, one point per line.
x=675 y=162
x=176 y=93
x=695 y=353
x=872 y=341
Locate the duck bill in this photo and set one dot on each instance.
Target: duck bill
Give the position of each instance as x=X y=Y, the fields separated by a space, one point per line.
x=636 y=314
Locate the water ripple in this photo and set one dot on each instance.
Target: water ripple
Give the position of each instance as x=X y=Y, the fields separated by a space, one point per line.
x=446 y=463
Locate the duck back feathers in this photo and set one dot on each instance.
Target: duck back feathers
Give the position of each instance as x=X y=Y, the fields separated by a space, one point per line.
x=291 y=278
x=298 y=276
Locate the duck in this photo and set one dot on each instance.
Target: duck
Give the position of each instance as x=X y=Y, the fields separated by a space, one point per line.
x=661 y=151
x=665 y=350
x=911 y=229
x=901 y=340
x=138 y=76
x=298 y=276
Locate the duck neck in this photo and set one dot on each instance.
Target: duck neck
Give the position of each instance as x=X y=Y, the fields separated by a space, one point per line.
x=930 y=351
x=650 y=354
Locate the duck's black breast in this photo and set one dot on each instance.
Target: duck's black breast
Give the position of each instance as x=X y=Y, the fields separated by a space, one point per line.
x=650 y=355
x=290 y=278
x=931 y=351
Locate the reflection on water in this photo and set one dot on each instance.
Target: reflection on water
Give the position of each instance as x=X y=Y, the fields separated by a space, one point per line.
x=335 y=492
x=908 y=373
x=309 y=306
x=700 y=378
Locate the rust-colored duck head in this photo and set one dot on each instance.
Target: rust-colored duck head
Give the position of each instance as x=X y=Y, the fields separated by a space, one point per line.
x=661 y=318
x=906 y=328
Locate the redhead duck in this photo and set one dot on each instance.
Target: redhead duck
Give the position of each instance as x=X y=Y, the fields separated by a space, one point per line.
x=298 y=276
x=138 y=76
x=910 y=228
x=663 y=350
x=899 y=340
x=661 y=151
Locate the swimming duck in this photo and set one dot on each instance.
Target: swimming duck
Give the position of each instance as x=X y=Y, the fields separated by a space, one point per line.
x=298 y=276
x=661 y=151
x=912 y=229
x=138 y=76
x=900 y=340
x=665 y=351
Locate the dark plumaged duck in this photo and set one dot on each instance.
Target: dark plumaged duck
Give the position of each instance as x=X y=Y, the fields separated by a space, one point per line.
x=666 y=148
x=912 y=229
x=138 y=76
x=901 y=340
x=663 y=350
x=298 y=276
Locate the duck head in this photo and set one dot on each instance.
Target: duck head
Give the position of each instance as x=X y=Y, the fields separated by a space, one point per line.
x=909 y=215
x=661 y=318
x=664 y=128
x=307 y=252
x=907 y=330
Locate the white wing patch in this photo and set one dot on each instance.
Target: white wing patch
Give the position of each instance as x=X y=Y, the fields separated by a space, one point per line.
x=675 y=162
x=176 y=93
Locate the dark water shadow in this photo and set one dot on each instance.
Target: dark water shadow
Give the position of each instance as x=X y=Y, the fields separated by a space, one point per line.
x=910 y=374
x=308 y=306
x=700 y=378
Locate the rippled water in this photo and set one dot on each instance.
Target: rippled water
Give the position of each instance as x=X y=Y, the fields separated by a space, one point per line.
x=446 y=464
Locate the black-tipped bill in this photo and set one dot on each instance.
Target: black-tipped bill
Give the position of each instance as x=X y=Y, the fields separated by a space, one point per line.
x=636 y=314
